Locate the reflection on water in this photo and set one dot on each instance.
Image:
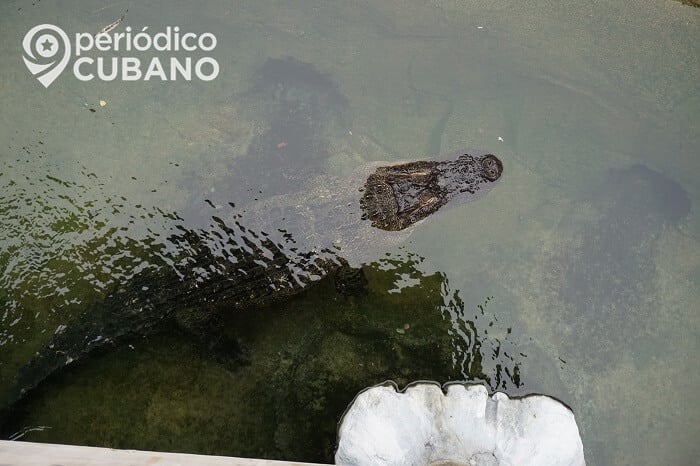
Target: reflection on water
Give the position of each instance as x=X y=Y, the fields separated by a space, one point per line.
x=65 y=243
x=307 y=358
x=589 y=246
x=158 y=276
x=191 y=281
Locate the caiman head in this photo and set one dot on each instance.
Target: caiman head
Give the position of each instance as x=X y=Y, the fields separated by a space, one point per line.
x=395 y=197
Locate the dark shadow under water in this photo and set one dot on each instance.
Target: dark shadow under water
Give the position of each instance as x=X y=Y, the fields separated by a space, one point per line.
x=296 y=110
x=606 y=276
x=309 y=356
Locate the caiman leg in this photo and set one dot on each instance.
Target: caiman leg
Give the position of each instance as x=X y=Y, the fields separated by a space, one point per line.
x=205 y=325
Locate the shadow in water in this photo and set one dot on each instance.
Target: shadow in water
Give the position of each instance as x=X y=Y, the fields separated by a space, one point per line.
x=308 y=357
x=299 y=105
x=295 y=112
x=606 y=276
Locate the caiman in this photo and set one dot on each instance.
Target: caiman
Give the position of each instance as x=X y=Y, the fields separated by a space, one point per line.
x=271 y=251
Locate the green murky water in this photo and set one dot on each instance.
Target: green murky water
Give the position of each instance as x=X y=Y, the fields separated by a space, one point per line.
x=577 y=276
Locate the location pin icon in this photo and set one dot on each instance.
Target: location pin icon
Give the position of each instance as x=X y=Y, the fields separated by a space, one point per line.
x=46 y=52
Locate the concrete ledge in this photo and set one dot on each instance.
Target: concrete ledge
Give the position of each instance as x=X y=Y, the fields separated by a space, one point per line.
x=46 y=454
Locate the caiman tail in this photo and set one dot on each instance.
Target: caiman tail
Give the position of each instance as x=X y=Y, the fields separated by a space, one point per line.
x=253 y=272
x=134 y=309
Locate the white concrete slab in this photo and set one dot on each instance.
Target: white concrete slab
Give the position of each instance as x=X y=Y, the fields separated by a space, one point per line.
x=46 y=454
x=465 y=426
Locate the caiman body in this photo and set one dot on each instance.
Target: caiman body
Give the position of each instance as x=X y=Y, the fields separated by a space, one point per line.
x=267 y=253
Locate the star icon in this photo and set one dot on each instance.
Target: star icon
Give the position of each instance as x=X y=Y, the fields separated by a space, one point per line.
x=47 y=44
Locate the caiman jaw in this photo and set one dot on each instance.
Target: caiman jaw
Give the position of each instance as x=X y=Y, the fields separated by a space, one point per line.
x=395 y=197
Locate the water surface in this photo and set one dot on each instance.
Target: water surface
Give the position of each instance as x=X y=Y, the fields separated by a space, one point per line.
x=576 y=277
